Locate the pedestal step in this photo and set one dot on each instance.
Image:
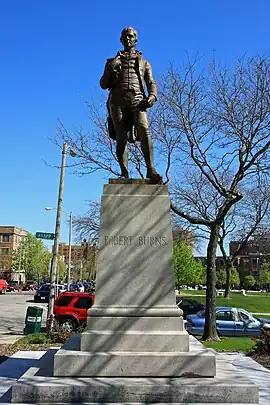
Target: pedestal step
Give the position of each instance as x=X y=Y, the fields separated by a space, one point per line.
x=135 y=341
x=219 y=390
x=228 y=387
x=134 y=364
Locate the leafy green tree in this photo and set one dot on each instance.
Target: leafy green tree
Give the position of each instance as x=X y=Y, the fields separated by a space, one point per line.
x=202 y=271
x=62 y=270
x=234 y=280
x=187 y=270
x=249 y=281
x=33 y=257
x=265 y=274
x=221 y=278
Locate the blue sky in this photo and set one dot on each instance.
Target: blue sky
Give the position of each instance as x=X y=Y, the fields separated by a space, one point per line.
x=53 y=52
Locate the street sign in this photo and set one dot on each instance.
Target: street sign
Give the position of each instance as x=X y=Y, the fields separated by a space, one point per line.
x=44 y=235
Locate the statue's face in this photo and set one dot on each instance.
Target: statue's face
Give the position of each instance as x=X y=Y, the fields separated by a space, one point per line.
x=129 y=39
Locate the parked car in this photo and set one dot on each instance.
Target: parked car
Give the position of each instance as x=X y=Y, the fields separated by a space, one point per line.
x=43 y=292
x=29 y=285
x=3 y=286
x=70 y=309
x=230 y=322
x=74 y=287
x=189 y=306
x=13 y=286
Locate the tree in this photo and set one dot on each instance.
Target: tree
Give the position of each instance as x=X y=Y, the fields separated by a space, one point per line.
x=221 y=278
x=84 y=269
x=224 y=120
x=211 y=132
x=61 y=270
x=234 y=277
x=33 y=257
x=249 y=218
x=186 y=270
x=87 y=226
x=265 y=274
x=249 y=281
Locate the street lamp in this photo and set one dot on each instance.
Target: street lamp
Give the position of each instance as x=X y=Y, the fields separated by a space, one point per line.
x=69 y=214
x=53 y=272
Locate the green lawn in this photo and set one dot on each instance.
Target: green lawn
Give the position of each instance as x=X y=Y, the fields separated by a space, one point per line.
x=192 y=292
x=232 y=344
x=252 y=303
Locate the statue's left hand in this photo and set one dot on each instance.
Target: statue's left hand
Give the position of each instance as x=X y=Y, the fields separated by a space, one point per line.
x=151 y=100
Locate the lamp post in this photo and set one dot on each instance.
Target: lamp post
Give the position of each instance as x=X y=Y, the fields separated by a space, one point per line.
x=69 y=250
x=69 y=214
x=53 y=271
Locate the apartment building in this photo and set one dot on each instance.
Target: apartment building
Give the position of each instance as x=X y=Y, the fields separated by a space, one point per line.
x=252 y=255
x=10 y=239
x=84 y=251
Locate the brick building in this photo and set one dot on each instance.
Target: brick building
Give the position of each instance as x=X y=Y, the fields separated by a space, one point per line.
x=10 y=239
x=252 y=255
x=84 y=251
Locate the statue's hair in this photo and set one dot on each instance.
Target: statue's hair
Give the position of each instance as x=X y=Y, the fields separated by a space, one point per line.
x=129 y=29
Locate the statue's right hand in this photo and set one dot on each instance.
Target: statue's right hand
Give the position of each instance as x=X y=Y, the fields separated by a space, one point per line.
x=116 y=63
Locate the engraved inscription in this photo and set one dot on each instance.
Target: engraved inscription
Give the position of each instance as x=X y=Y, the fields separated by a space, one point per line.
x=152 y=241
x=118 y=240
x=122 y=240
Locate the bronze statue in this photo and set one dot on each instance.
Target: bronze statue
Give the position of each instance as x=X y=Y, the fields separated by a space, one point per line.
x=126 y=76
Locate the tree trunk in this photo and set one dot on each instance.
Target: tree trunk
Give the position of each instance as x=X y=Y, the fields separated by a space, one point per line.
x=228 y=281
x=210 y=328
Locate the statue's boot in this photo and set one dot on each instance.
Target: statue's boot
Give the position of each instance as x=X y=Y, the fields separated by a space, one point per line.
x=121 y=153
x=153 y=175
x=124 y=172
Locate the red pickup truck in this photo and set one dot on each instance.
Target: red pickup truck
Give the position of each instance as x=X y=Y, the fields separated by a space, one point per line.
x=3 y=286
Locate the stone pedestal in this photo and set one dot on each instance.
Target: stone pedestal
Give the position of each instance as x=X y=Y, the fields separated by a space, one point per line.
x=135 y=327
x=134 y=348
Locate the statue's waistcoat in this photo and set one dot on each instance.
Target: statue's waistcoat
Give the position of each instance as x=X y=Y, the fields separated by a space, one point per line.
x=128 y=78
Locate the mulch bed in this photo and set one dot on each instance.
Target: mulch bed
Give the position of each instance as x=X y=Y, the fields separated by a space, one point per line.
x=263 y=360
x=7 y=350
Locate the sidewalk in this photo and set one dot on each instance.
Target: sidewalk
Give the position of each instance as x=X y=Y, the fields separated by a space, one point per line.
x=9 y=339
x=260 y=313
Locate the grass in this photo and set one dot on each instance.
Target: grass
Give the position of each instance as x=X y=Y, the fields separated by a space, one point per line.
x=192 y=292
x=231 y=344
x=252 y=303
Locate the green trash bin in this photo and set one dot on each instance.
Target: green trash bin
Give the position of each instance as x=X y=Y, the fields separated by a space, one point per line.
x=33 y=320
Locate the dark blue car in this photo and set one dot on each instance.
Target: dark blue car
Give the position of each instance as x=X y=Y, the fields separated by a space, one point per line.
x=42 y=293
x=230 y=322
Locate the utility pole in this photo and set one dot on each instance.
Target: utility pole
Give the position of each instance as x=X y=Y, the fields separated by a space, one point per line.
x=53 y=272
x=69 y=251
x=81 y=270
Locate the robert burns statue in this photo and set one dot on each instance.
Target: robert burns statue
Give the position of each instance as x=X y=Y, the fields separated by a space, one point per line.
x=126 y=77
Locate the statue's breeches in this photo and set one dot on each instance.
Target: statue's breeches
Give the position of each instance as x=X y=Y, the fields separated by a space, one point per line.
x=125 y=112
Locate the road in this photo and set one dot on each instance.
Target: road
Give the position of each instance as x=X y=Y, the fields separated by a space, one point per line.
x=13 y=309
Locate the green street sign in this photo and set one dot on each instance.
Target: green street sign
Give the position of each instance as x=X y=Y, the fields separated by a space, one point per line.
x=44 y=235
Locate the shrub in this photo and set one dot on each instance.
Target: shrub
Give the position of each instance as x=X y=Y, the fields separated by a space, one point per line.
x=262 y=345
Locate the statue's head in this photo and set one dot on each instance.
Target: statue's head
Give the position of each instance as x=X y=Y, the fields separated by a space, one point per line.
x=129 y=38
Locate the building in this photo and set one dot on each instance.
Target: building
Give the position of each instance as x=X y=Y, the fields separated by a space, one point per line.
x=84 y=251
x=10 y=239
x=83 y=259
x=252 y=255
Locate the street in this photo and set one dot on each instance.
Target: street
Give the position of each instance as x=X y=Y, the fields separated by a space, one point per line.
x=13 y=309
